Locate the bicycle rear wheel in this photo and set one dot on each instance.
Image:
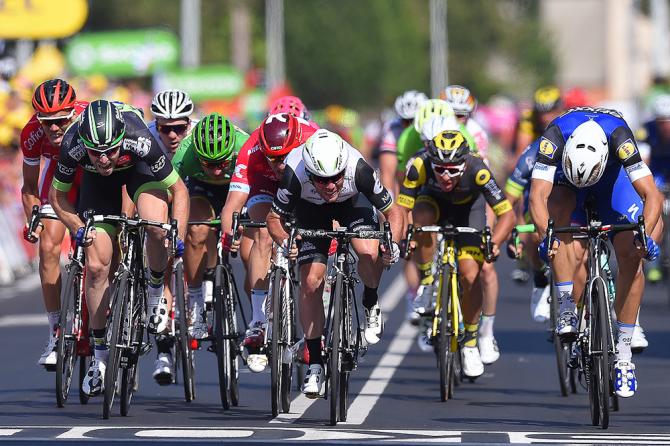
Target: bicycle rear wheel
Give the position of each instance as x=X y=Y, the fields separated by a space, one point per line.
x=335 y=358
x=114 y=341
x=561 y=350
x=185 y=352
x=220 y=343
x=67 y=338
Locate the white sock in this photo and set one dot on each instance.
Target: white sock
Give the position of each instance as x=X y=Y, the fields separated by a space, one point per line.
x=486 y=325
x=623 y=341
x=53 y=316
x=565 y=299
x=258 y=298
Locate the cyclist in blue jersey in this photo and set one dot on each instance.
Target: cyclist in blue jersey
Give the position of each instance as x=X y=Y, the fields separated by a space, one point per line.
x=580 y=155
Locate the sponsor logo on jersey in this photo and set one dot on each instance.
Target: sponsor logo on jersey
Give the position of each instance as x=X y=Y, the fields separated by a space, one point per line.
x=33 y=138
x=547 y=148
x=482 y=177
x=405 y=201
x=129 y=144
x=143 y=146
x=284 y=196
x=158 y=165
x=378 y=188
x=77 y=152
x=626 y=150
x=65 y=170
x=238 y=170
x=541 y=166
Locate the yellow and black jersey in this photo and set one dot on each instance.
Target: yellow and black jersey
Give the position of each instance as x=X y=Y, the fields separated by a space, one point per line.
x=476 y=180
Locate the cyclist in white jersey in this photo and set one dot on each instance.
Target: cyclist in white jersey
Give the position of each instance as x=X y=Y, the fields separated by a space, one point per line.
x=172 y=110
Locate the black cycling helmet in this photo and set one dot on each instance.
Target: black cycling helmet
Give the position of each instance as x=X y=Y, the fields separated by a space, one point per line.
x=102 y=126
x=448 y=147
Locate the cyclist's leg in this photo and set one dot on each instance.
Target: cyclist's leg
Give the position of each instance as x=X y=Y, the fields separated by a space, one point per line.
x=490 y=289
x=469 y=267
x=426 y=212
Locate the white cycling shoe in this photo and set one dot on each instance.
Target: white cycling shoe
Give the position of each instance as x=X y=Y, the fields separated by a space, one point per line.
x=94 y=381
x=198 y=328
x=49 y=356
x=488 y=349
x=163 y=369
x=471 y=361
x=625 y=382
x=374 y=325
x=639 y=341
x=312 y=387
x=159 y=316
x=424 y=298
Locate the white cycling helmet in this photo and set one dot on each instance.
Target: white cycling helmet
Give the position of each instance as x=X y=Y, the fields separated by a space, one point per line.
x=661 y=107
x=430 y=108
x=172 y=104
x=585 y=154
x=325 y=154
x=436 y=125
x=407 y=103
x=460 y=99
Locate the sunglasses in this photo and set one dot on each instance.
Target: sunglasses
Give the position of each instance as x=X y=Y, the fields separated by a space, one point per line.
x=179 y=129
x=276 y=159
x=60 y=121
x=215 y=164
x=451 y=171
x=108 y=153
x=327 y=180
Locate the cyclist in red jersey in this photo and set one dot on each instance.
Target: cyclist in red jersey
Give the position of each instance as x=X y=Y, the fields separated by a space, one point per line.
x=56 y=108
x=258 y=168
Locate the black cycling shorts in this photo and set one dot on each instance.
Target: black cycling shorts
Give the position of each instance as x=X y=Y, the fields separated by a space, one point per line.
x=215 y=194
x=356 y=213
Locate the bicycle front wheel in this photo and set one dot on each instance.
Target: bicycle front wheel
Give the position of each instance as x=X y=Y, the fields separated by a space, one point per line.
x=185 y=352
x=233 y=343
x=114 y=340
x=599 y=383
x=67 y=338
x=335 y=359
x=220 y=343
x=445 y=358
x=276 y=349
x=129 y=380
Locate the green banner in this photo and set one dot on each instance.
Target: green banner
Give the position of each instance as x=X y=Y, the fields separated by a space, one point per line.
x=122 y=53
x=208 y=82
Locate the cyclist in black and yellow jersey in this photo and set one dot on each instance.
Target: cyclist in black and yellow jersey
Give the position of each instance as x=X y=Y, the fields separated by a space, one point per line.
x=447 y=184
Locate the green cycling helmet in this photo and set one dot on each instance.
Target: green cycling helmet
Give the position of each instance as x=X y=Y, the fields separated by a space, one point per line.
x=214 y=138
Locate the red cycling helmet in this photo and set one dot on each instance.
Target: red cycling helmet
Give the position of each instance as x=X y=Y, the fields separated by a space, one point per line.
x=289 y=104
x=279 y=134
x=53 y=96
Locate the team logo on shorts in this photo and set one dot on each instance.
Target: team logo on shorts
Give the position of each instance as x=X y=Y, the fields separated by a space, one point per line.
x=547 y=148
x=626 y=150
x=482 y=177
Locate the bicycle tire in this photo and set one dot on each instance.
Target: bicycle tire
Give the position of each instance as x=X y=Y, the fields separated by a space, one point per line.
x=119 y=311
x=130 y=371
x=276 y=343
x=599 y=373
x=84 y=362
x=335 y=358
x=186 y=354
x=65 y=352
x=287 y=368
x=605 y=385
x=233 y=341
x=220 y=346
x=443 y=340
x=346 y=334
x=561 y=350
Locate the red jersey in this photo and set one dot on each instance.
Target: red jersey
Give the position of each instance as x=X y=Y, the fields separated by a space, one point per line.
x=252 y=170
x=35 y=145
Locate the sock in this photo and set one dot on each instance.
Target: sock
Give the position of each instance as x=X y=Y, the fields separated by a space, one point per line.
x=53 y=316
x=314 y=348
x=164 y=343
x=470 y=339
x=486 y=325
x=155 y=283
x=565 y=299
x=426 y=272
x=370 y=297
x=195 y=296
x=540 y=279
x=258 y=300
x=101 y=352
x=623 y=342
x=208 y=284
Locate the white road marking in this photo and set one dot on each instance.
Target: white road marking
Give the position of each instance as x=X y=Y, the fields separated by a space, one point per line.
x=8 y=432
x=388 y=302
x=23 y=320
x=194 y=433
x=381 y=375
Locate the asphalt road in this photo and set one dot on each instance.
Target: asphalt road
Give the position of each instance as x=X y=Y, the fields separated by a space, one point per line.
x=394 y=393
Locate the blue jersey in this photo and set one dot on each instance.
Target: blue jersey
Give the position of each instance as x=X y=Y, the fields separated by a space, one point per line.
x=519 y=182
x=659 y=160
x=623 y=149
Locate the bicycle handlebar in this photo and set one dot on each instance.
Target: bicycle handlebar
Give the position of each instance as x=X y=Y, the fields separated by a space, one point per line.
x=451 y=231
x=35 y=217
x=245 y=223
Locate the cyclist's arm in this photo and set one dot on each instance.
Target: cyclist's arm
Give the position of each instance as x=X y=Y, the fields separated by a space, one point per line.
x=234 y=203
x=288 y=194
x=653 y=203
x=29 y=190
x=276 y=227
x=64 y=209
x=180 y=203
x=388 y=165
x=71 y=154
x=496 y=199
x=538 y=204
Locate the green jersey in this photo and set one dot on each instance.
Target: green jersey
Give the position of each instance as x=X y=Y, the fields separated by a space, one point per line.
x=409 y=143
x=186 y=163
